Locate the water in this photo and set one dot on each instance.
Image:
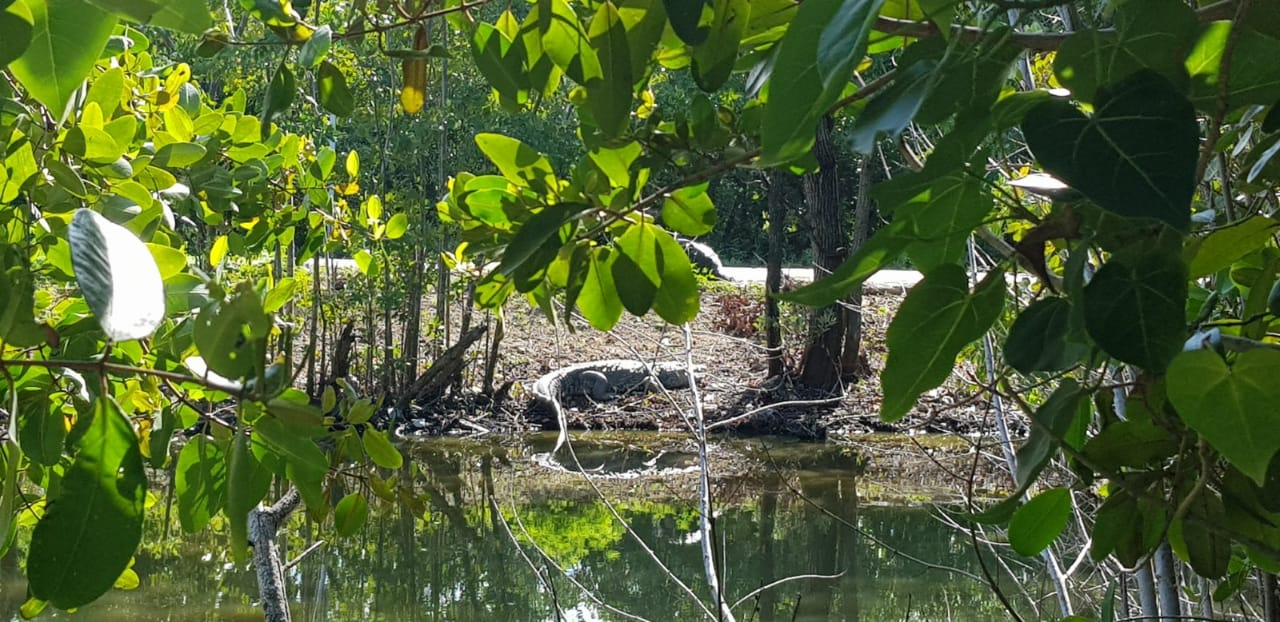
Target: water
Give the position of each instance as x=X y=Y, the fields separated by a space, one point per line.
x=455 y=556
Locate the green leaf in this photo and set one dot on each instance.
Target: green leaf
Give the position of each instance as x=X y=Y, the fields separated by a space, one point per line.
x=178 y=155
x=1224 y=246
x=1135 y=308
x=815 y=61
x=305 y=461
x=598 y=299
x=1046 y=337
x=883 y=247
x=248 y=482
x=1206 y=549
x=169 y=260
x=189 y=16
x=636 y=268
x=350 y=514
x=230 y=335
x=1135 y=443
x=935 y=321
x=677 y=300
x=1136 y=156
x=280 y=94
x=92 y=145
x=1038 y=523
x=689 y=211
x=940 y=211
x=91 y=530
x=1254 y=78
x=200 y=482
x=15 y=32
x=714 y=57
x=566 y=43
x=609 y=94
x=67 y=38
x=893 y=109
x=537 y=238
x=686 y=16
x=1231 y=407
x=316 y=49
x=334 y=94
x=380 y=449
x=397 y=225
x=280 y=295
x=1150 y=34
x=501 y=61
x=1050 y=425
x=117 y=275
x=518 y=162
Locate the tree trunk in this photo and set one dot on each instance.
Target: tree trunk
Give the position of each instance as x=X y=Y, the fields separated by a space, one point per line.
x=821 y=367
x=852 y=363
x=778 y=197
x=264 y=522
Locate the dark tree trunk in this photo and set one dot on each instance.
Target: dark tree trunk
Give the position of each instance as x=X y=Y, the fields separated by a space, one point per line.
x=821 y=367
x=852 y=364
x=780 y=186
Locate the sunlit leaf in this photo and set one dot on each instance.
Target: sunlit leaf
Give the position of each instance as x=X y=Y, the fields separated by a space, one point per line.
x=1233 y=407
x=380 y=449
x=598 y=299
x=397 y=225
x=91 y=530
x=66 y=39
x=689 y=211
x=117 y=276
x=350 y=514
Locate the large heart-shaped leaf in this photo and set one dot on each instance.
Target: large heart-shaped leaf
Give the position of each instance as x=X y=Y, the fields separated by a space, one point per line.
x=935 y=321
x=1135 y=308
x=91 y=529
x=1136 y=156
x=1233 y=407
x=1152 y=34
x=117 y=275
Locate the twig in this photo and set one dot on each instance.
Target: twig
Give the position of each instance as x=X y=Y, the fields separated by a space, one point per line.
x=315 y=546
x=1224 y=88
x=732 y=420
x=706 y=523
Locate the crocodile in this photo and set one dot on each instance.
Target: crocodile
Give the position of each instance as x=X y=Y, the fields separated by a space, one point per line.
x=604 y=380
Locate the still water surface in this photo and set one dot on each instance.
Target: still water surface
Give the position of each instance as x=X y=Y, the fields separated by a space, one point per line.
x=456 y=558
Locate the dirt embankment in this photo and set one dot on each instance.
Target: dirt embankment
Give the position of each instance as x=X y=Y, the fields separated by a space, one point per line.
x=737 y=396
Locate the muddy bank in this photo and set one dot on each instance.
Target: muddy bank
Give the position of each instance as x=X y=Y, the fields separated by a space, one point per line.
x=737 y=397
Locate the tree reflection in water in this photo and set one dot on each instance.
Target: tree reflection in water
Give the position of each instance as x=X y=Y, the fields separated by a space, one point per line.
x=444 y=555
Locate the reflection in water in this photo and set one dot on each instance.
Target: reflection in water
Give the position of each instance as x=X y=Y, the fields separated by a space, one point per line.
x=447 y=555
